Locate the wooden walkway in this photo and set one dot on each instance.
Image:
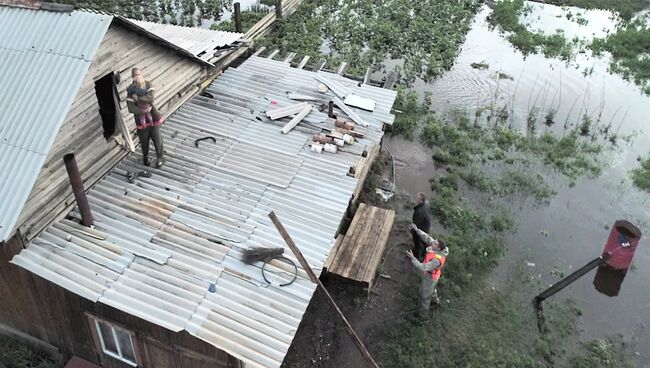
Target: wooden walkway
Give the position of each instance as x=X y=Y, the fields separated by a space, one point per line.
x=357 y=255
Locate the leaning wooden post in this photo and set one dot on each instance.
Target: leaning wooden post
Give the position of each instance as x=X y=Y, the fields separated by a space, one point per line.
x=278 y=9
x=237 y=18
x=303 y=262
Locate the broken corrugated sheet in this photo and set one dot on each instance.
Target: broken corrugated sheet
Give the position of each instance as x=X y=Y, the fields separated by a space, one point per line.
x=167 y=248
x=202 y=43
x=33 y=44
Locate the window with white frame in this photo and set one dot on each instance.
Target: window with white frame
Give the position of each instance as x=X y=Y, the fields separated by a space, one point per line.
x=116 y=342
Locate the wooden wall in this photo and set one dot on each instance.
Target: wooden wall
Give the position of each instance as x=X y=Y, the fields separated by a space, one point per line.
x=39 y=308
x=175 y=77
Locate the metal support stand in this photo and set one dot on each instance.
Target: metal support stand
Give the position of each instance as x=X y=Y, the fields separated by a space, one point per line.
x=558 y=286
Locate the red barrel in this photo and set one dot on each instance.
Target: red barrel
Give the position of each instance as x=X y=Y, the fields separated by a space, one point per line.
x=621 y=245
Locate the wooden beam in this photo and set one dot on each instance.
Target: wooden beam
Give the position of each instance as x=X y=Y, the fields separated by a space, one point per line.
x=278 y=9
x=303 y=262
x=303 y=62
x=366 y=78
x=320 y=65
x=259 y=51
x=342 y=68
x=237 y=17
x=289 y=57
x=272 y=55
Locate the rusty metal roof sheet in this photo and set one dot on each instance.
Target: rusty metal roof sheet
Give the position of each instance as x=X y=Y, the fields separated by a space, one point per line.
x=168 y=248
x=201 y=42
x=44 y=57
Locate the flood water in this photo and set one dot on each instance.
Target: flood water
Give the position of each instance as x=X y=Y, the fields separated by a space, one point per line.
x=572 y=229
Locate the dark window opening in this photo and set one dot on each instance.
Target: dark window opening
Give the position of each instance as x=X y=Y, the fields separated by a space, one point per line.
x=106 y=91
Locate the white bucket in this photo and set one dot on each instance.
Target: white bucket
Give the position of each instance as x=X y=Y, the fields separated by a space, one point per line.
x=330 y=148
x=317 y=148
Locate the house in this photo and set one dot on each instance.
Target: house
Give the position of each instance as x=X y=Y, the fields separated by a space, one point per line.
x=158 y=281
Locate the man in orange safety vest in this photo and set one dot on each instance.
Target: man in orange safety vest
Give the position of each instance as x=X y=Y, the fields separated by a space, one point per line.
x=429 y=270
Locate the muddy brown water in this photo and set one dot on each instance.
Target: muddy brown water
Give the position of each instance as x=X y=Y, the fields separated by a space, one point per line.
x=572 y=229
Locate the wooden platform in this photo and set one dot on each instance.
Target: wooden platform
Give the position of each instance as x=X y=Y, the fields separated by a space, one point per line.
x=357 y=255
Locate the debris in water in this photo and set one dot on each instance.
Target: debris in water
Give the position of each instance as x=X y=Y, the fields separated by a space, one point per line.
x=481 y=66
x=530 y=264
x=384 y=194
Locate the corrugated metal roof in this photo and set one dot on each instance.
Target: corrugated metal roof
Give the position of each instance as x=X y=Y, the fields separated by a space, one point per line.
x=41 y=73
x=201 y=42
x=162 y=243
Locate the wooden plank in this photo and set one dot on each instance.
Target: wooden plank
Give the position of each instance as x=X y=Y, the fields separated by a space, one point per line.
x=272 y=54
x=342 y=67
x=367 y=273
x=319 y=65
x=353 y=243
x=367 y=244
x=259 y=51
x=334 y=251
x=341 y=255
x=303 y=62
x=289 y=57
x=362 y=243
x=382 y=241
x=366 y=77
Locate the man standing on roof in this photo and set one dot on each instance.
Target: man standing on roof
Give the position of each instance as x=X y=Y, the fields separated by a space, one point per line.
x=429 y=270
x=422 y=220
x=140 y=101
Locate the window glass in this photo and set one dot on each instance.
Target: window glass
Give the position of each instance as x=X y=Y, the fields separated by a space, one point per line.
x=126 y=345
x=107 y=337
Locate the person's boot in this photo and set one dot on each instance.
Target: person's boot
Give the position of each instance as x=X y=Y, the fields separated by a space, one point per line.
x=146 y=161
x=159 y=163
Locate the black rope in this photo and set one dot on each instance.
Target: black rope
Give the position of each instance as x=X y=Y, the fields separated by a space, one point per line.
x=196 y=142
x=286 y=260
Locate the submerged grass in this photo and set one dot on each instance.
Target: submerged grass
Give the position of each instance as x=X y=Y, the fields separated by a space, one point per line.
x=248 y=19
x=641 y=175
x=625 y=8
x=628 y=48
x=505 y=16
x=427 y=37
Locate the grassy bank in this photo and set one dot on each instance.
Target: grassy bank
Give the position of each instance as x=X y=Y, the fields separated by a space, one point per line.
x=487 y=166
x=425 y=37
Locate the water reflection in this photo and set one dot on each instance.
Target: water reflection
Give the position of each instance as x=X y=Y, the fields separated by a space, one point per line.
x=608 y=281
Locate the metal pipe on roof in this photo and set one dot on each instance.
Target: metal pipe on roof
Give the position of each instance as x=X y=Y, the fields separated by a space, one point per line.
x=78 y=189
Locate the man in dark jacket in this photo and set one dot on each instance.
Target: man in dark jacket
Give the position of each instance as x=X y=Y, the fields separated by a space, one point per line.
x=421 y=219
x=148 y=120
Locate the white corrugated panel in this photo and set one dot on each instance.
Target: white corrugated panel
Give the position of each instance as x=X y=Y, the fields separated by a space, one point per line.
x=44 y=57
x=201 y=42
x=183 y=229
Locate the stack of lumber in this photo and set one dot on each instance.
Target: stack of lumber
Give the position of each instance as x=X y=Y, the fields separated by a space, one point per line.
x=356 y=256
